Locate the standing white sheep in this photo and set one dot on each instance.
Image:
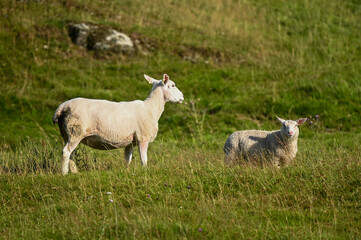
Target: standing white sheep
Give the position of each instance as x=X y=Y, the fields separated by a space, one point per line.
x=105 y=125
x=278 y=146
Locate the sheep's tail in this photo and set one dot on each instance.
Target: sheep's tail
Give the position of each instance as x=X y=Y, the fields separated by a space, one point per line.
x=227 y=147
x=59 y=112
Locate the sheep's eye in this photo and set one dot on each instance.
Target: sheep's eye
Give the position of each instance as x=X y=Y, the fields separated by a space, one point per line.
x=173 y=85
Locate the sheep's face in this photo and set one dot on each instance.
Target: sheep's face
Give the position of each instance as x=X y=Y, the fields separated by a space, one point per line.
x=290 y=128
x=170 y=91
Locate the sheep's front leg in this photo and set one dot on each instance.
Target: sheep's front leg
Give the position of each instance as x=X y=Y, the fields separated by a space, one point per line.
x=143 y=148
x=277 y=162
x=128 y=153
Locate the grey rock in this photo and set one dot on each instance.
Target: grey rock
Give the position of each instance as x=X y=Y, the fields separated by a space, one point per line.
x=100 y=38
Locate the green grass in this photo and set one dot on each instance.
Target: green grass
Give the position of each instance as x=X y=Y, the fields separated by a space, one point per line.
x=317 y=197
x=250 y=61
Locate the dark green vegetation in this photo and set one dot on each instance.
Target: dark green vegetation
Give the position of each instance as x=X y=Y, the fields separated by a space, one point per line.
x=239 y=64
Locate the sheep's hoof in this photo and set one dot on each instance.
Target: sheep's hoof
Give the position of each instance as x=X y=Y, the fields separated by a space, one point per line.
x=72 y=167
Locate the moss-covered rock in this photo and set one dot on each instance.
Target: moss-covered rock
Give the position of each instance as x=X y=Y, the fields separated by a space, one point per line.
x=100 y=38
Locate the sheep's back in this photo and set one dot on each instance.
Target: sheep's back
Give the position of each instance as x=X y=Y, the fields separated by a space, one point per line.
x=246 y=141
x=102 y=117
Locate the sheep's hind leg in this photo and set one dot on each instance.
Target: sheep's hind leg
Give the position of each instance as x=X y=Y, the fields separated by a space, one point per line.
x=143 y=148
x=128 y=154
x=68 y=149
x=229 y=159
x=72 y=166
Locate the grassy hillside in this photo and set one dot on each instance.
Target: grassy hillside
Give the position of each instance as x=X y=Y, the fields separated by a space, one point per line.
x=239 y=64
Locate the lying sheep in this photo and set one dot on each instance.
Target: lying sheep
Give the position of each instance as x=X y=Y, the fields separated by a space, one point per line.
x=280 y=147
x=105 y=125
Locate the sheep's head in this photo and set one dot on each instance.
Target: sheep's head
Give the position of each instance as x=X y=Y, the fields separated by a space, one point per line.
x=290 y=128
x=170 y=91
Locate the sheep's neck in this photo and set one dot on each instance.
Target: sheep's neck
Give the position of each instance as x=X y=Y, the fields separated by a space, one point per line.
x=287 y=142
x=155 y=103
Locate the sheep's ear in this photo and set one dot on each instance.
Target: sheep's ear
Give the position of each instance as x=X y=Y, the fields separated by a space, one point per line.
x=165 y=78
x=280 y=119
x=301 y=121
x=149 y=79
